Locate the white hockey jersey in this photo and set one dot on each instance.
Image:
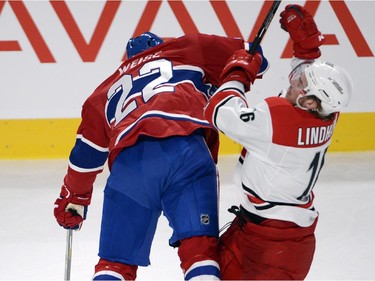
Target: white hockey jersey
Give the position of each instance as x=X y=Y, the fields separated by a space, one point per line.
x=284 y=149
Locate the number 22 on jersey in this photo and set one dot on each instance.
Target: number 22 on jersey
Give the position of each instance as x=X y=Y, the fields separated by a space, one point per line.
x=150 y=82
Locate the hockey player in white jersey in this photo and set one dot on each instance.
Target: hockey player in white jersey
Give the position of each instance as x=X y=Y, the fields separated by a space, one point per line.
x=285 y=139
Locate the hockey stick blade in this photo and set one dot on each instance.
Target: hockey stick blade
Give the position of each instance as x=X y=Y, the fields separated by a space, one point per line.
x=264 y=27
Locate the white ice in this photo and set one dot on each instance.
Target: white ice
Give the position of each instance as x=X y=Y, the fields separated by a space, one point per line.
x=32 y=245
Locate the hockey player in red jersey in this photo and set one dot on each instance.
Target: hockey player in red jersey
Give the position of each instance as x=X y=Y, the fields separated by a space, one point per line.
x=147 y=120
x=285 y=140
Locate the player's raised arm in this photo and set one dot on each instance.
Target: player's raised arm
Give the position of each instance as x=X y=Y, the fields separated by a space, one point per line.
x=300 y=25
x=227 y=107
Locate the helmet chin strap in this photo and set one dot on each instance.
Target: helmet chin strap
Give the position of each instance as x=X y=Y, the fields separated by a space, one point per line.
x=298 y=104
x=301 y=107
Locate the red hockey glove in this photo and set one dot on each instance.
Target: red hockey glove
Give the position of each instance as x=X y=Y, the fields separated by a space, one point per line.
x=71 y=208
x=242 y=67
x=302 y=30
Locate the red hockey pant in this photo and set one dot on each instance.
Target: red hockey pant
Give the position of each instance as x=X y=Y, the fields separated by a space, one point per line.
x=272 y=250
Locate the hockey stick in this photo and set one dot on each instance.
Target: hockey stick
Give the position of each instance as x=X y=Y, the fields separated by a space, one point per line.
x=68 y=254
x=266 y=23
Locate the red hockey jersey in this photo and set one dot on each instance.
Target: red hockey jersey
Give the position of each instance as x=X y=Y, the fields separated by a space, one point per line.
x=160 y=92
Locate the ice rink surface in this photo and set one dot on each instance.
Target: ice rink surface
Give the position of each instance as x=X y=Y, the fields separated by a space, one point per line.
x=32 y=245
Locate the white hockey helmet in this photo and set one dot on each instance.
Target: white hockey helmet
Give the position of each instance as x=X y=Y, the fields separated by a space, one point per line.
x=331 y=84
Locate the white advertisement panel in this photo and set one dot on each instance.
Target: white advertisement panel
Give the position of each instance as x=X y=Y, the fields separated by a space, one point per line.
x=53 y=54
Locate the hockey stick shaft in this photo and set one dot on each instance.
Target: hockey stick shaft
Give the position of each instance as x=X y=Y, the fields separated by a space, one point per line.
x=68 y=253
x=264 y=27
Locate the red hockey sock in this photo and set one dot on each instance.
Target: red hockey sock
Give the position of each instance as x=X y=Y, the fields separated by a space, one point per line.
x=199 y=256
x=109 y=270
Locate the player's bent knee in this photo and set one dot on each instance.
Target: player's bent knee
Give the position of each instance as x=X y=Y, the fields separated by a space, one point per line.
x=107 y=270
x=199 y=258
